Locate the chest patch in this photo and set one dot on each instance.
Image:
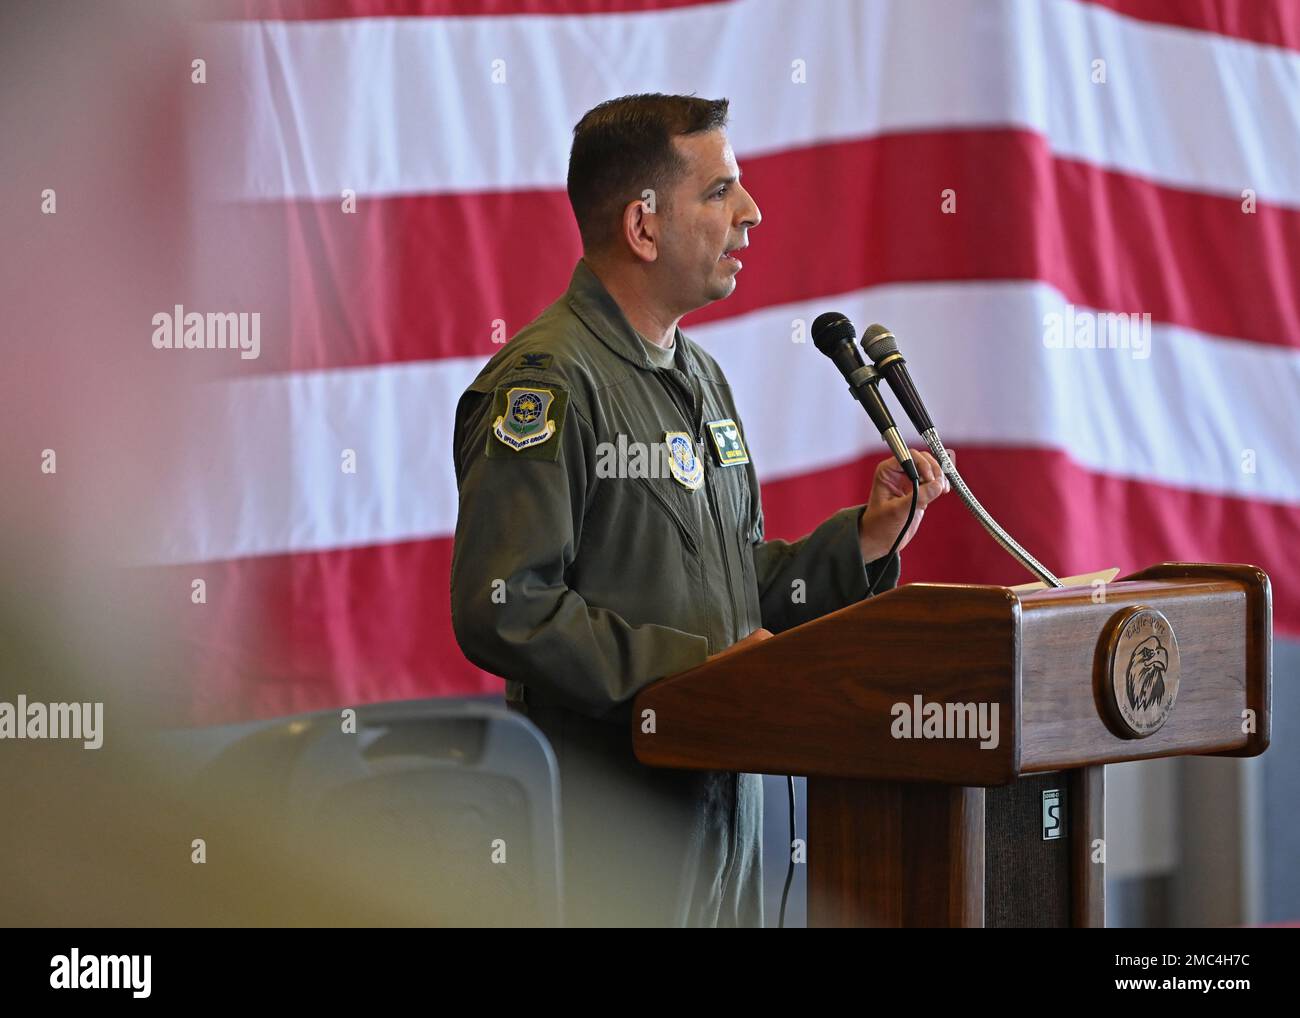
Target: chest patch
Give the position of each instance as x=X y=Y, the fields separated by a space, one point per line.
x=727 y=443
x=687 y=468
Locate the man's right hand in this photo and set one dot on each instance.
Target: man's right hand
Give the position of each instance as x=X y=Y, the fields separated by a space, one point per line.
x=757 y=636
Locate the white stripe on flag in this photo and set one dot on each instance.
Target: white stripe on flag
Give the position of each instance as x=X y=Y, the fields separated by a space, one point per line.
x=408 y=105
x=271 y=479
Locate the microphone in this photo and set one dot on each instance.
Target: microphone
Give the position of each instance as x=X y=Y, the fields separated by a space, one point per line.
x=833 y=335
x=880 y=345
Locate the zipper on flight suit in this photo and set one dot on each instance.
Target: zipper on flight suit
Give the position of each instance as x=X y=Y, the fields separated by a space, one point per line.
x=682 y=526
x=695 y=422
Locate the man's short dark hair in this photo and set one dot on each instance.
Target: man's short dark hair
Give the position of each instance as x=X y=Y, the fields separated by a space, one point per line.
x=624 y=146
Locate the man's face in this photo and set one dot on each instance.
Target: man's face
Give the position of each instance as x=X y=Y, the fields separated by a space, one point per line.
x=709 y=215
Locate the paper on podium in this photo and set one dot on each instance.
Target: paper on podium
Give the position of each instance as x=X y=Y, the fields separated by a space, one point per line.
x=1082 y=580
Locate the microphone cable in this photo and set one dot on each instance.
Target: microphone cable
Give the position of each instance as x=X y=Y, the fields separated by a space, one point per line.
x=789 y=872
x=893 y=550
x=889 y=558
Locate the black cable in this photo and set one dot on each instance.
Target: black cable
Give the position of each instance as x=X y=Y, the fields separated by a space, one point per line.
x=893 y=549
x=789 y=873
x=893 y=553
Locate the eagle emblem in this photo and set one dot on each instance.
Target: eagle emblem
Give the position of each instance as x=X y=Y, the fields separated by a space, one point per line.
x=1144 y=670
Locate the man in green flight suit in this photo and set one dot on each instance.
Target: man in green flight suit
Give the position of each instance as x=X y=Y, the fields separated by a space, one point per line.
x=610 y=530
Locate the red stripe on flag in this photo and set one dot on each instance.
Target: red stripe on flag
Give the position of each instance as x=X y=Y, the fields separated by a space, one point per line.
x=417 y=278
x=1275 y=23
x=1071 y=519
x=291 y=633
x=285 y=634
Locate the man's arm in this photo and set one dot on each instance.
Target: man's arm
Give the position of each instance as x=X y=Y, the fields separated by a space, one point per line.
x=829 y=563
x=843 y=558
x=517 y=531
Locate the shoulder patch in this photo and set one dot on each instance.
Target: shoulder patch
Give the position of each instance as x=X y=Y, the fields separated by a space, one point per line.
x=526 y=419
x=534 y=361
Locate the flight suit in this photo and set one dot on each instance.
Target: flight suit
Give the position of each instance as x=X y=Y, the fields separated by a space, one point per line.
x=580 y=581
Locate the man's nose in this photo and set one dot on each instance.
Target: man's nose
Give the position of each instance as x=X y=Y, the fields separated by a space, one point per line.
x=751 y=217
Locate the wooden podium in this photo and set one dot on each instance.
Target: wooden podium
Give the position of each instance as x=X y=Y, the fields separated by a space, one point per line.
x=921 y=811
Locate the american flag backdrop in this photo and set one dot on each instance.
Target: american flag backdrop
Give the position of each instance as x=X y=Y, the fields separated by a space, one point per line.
x=384 y=179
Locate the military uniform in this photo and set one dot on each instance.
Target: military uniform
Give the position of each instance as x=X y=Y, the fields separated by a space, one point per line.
x=580 y=588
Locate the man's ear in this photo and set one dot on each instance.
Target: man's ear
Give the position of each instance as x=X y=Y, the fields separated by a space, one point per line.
x=641 y=223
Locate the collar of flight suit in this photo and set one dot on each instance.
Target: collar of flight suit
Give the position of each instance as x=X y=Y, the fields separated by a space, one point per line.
x=592 y=303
